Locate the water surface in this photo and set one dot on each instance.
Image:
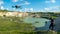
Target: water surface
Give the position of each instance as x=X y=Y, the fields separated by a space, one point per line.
x=39 y=23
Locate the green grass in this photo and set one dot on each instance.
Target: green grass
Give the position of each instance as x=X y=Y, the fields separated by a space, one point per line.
x=54 y=17
x=11 y=27
x=8 y=26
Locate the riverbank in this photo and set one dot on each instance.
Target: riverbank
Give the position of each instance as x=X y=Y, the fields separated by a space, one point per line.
x=9 y=25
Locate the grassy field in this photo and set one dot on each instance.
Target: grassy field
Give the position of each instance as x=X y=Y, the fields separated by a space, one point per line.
x=15 y=25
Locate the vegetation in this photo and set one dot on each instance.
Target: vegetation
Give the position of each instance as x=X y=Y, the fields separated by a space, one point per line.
x=13 y=26
x=5 y=11
x=16 y=25
x=9 y=26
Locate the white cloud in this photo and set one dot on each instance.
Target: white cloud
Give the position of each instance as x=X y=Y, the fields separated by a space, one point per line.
x=2 y=7
x=53 y=1
x=41 y=10
x=1 y=2
x=50 y=1
x=56 y=7
x=26 y=3
x=47 y=9
x=20 y=10
x=15 y=0
x=29 y=9
x=26 y=9
x=53 y=8
x=22 y=2
x=7 y=9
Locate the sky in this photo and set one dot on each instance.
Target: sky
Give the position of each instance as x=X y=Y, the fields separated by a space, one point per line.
x=31 y=5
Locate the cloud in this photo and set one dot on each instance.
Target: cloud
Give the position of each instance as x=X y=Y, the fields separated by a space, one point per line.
x=2 y=8
x=1 y=2
x=56 y=7
x=50 y=1
x=23 y=2
x=47 y=9
x=50 y=9
x=27 y=3
x=41 y=10
x=20 y=10
x=26 y=9
x=7 y=9
x=15 y=0
x=53 y=8
x=29 y=9
x=53 y=1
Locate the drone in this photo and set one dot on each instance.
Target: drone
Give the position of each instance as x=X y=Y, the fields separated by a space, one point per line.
x=16 y=6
